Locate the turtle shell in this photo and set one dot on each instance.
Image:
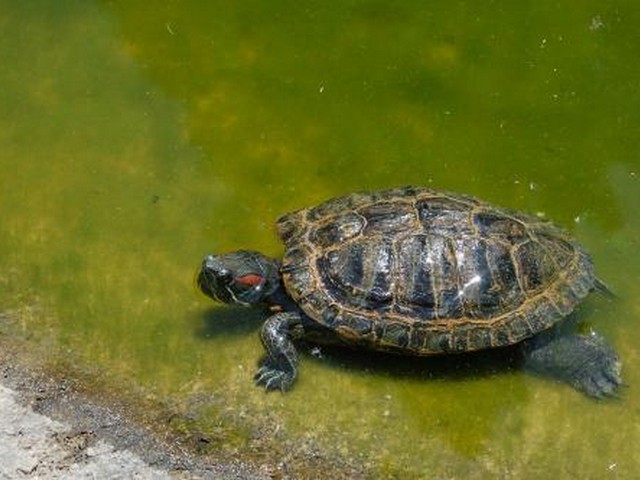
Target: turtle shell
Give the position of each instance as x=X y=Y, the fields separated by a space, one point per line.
x=426 y=272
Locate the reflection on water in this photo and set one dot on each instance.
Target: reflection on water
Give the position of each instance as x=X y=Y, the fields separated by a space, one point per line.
x=184 y=128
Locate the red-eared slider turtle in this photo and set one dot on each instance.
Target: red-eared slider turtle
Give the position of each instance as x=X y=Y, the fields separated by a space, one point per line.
x=419 y=272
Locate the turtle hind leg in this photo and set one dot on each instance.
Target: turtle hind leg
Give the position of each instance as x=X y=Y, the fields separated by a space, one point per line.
x=279 y=369
x=587 y=362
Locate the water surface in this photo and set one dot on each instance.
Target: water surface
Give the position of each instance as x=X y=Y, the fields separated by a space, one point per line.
x=138 y=136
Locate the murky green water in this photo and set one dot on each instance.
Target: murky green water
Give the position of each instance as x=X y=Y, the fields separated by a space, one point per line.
x=136 y=136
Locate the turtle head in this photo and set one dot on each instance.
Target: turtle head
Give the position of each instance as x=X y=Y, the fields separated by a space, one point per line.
x=244 y=277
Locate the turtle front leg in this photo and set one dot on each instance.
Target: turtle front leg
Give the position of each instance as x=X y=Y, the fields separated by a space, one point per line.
x=280 y=368
x=587 y=362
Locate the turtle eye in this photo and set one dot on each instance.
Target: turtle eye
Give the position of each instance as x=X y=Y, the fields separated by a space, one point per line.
x=224 y=275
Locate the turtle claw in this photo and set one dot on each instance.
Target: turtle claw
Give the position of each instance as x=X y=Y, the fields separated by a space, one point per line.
x=272 y=378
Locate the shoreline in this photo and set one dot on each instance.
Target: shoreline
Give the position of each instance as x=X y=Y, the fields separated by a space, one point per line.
x=50 y=431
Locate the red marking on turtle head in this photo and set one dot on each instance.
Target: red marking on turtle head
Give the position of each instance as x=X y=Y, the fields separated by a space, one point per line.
x=251 y=280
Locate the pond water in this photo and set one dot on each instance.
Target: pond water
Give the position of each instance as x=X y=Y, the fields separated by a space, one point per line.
x=137 y=136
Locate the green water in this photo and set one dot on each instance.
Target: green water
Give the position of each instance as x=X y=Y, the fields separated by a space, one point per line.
x=137 y=136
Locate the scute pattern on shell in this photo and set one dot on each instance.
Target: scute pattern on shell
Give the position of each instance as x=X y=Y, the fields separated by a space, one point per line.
x=425 y=272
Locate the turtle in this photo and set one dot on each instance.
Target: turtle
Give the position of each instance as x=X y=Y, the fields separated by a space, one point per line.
x=421 y=272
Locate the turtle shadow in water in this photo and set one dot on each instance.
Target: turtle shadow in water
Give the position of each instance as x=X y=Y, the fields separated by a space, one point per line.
x=229 y=321
x=460 y=366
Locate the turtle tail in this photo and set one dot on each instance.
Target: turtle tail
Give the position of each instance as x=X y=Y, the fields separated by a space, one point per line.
x=604 y=289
